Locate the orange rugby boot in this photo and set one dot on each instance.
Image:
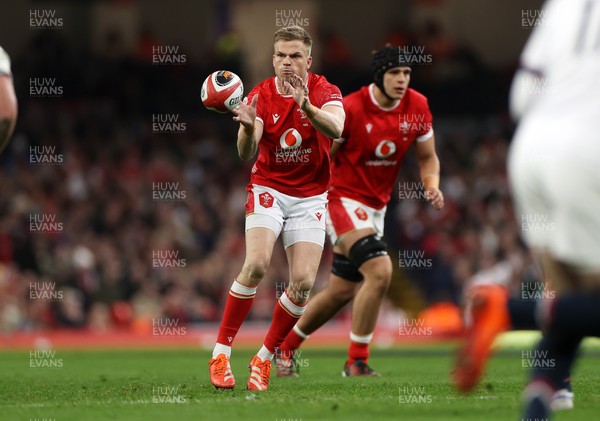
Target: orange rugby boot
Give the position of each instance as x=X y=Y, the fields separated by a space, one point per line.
x=487 y=307
x=260 y=372
x=221 y=376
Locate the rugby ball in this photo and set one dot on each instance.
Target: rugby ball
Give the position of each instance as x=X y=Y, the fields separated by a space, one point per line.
x=222 y=91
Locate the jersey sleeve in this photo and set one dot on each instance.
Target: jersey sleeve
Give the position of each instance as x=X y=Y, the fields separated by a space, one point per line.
x=347 y=102
x=426 y=131
x=328 y=94
x=260 y=105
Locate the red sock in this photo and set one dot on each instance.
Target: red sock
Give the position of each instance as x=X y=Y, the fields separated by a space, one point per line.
x=292 y=342
x=359 y=348
x=238 y=305
x=285 y=316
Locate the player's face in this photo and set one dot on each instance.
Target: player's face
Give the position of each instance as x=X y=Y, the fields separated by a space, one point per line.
x=291 y=57
x=396 y=81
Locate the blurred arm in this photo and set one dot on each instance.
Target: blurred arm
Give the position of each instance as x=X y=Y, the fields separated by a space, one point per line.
x=329 y=120
x=429 y=168
x=335 y=147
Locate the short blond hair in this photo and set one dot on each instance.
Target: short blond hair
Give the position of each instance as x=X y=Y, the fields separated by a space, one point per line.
x=292 y=33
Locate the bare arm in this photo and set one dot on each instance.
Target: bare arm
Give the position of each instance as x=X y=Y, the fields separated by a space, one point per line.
x=329 y=120
x=334 y=148
x=429 y=166
x=250 y=130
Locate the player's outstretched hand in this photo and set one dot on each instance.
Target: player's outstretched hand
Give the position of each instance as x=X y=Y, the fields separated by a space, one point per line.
x=435 y=197
x=296 y=87
x=245 y=113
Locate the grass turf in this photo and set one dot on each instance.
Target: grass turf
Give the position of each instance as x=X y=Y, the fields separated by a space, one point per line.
x=124 y=385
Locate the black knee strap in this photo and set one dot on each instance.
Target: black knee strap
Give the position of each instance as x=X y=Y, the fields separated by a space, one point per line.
x=343 y=268
x=367 y=248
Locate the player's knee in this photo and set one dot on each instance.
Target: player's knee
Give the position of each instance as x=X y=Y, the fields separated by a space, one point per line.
x=255 y=269
x=345 y=293
x=302 y=282
x=378 y=273
x=370 y=255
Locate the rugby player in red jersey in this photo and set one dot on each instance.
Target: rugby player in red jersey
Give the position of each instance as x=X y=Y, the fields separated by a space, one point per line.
x=290 y=119
x=382 y=121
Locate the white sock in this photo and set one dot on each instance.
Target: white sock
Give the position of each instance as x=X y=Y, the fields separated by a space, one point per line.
x=365 y=339
x=221 y=349
x=300 y=333
x=264 y=354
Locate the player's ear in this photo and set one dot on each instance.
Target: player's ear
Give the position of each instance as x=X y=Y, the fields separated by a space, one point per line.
x=308 y=62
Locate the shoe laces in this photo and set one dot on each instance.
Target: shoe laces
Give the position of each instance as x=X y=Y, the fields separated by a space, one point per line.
x=220 y=365
x=265 y=370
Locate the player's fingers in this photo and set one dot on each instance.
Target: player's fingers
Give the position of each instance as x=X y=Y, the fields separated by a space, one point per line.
x=254 y=101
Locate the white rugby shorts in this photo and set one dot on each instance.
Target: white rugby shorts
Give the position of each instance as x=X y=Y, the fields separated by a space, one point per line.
x=297 y=219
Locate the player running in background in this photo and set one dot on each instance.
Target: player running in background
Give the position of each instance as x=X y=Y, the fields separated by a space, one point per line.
x=490 y=308
x=290 y=119
x=553 y=168
x=8 y=100
x=380 y=127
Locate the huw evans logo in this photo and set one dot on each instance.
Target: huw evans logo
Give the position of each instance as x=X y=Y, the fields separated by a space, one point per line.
x=167 y=55
x=414 y=259
x=44 y=359
x=534 y=358
x=167 y=259
x=414 y=327
x=44 y=223
x=167 y=394
x=167 y=192
x=45 y=155
x=44 y=87
x=537 y=222
x=531 y=18
x=290 y=17
x=44 y=19
x=412 y=190
x=414 y=55
x=167 y=123
x=44 y=291
x=413 y=395
x=167 y=327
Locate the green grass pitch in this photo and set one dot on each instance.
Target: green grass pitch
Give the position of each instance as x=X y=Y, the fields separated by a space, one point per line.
x=173 y=385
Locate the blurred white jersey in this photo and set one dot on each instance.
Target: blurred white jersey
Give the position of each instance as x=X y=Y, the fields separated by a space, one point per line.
x=554 y=161
x=558 y=80
x=4 y=63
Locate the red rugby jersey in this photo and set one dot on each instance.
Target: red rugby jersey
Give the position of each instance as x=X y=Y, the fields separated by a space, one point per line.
x=375 y=142
x=293 y=157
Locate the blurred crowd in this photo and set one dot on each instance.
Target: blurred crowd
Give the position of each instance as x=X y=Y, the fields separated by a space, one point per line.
x=108 y=220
